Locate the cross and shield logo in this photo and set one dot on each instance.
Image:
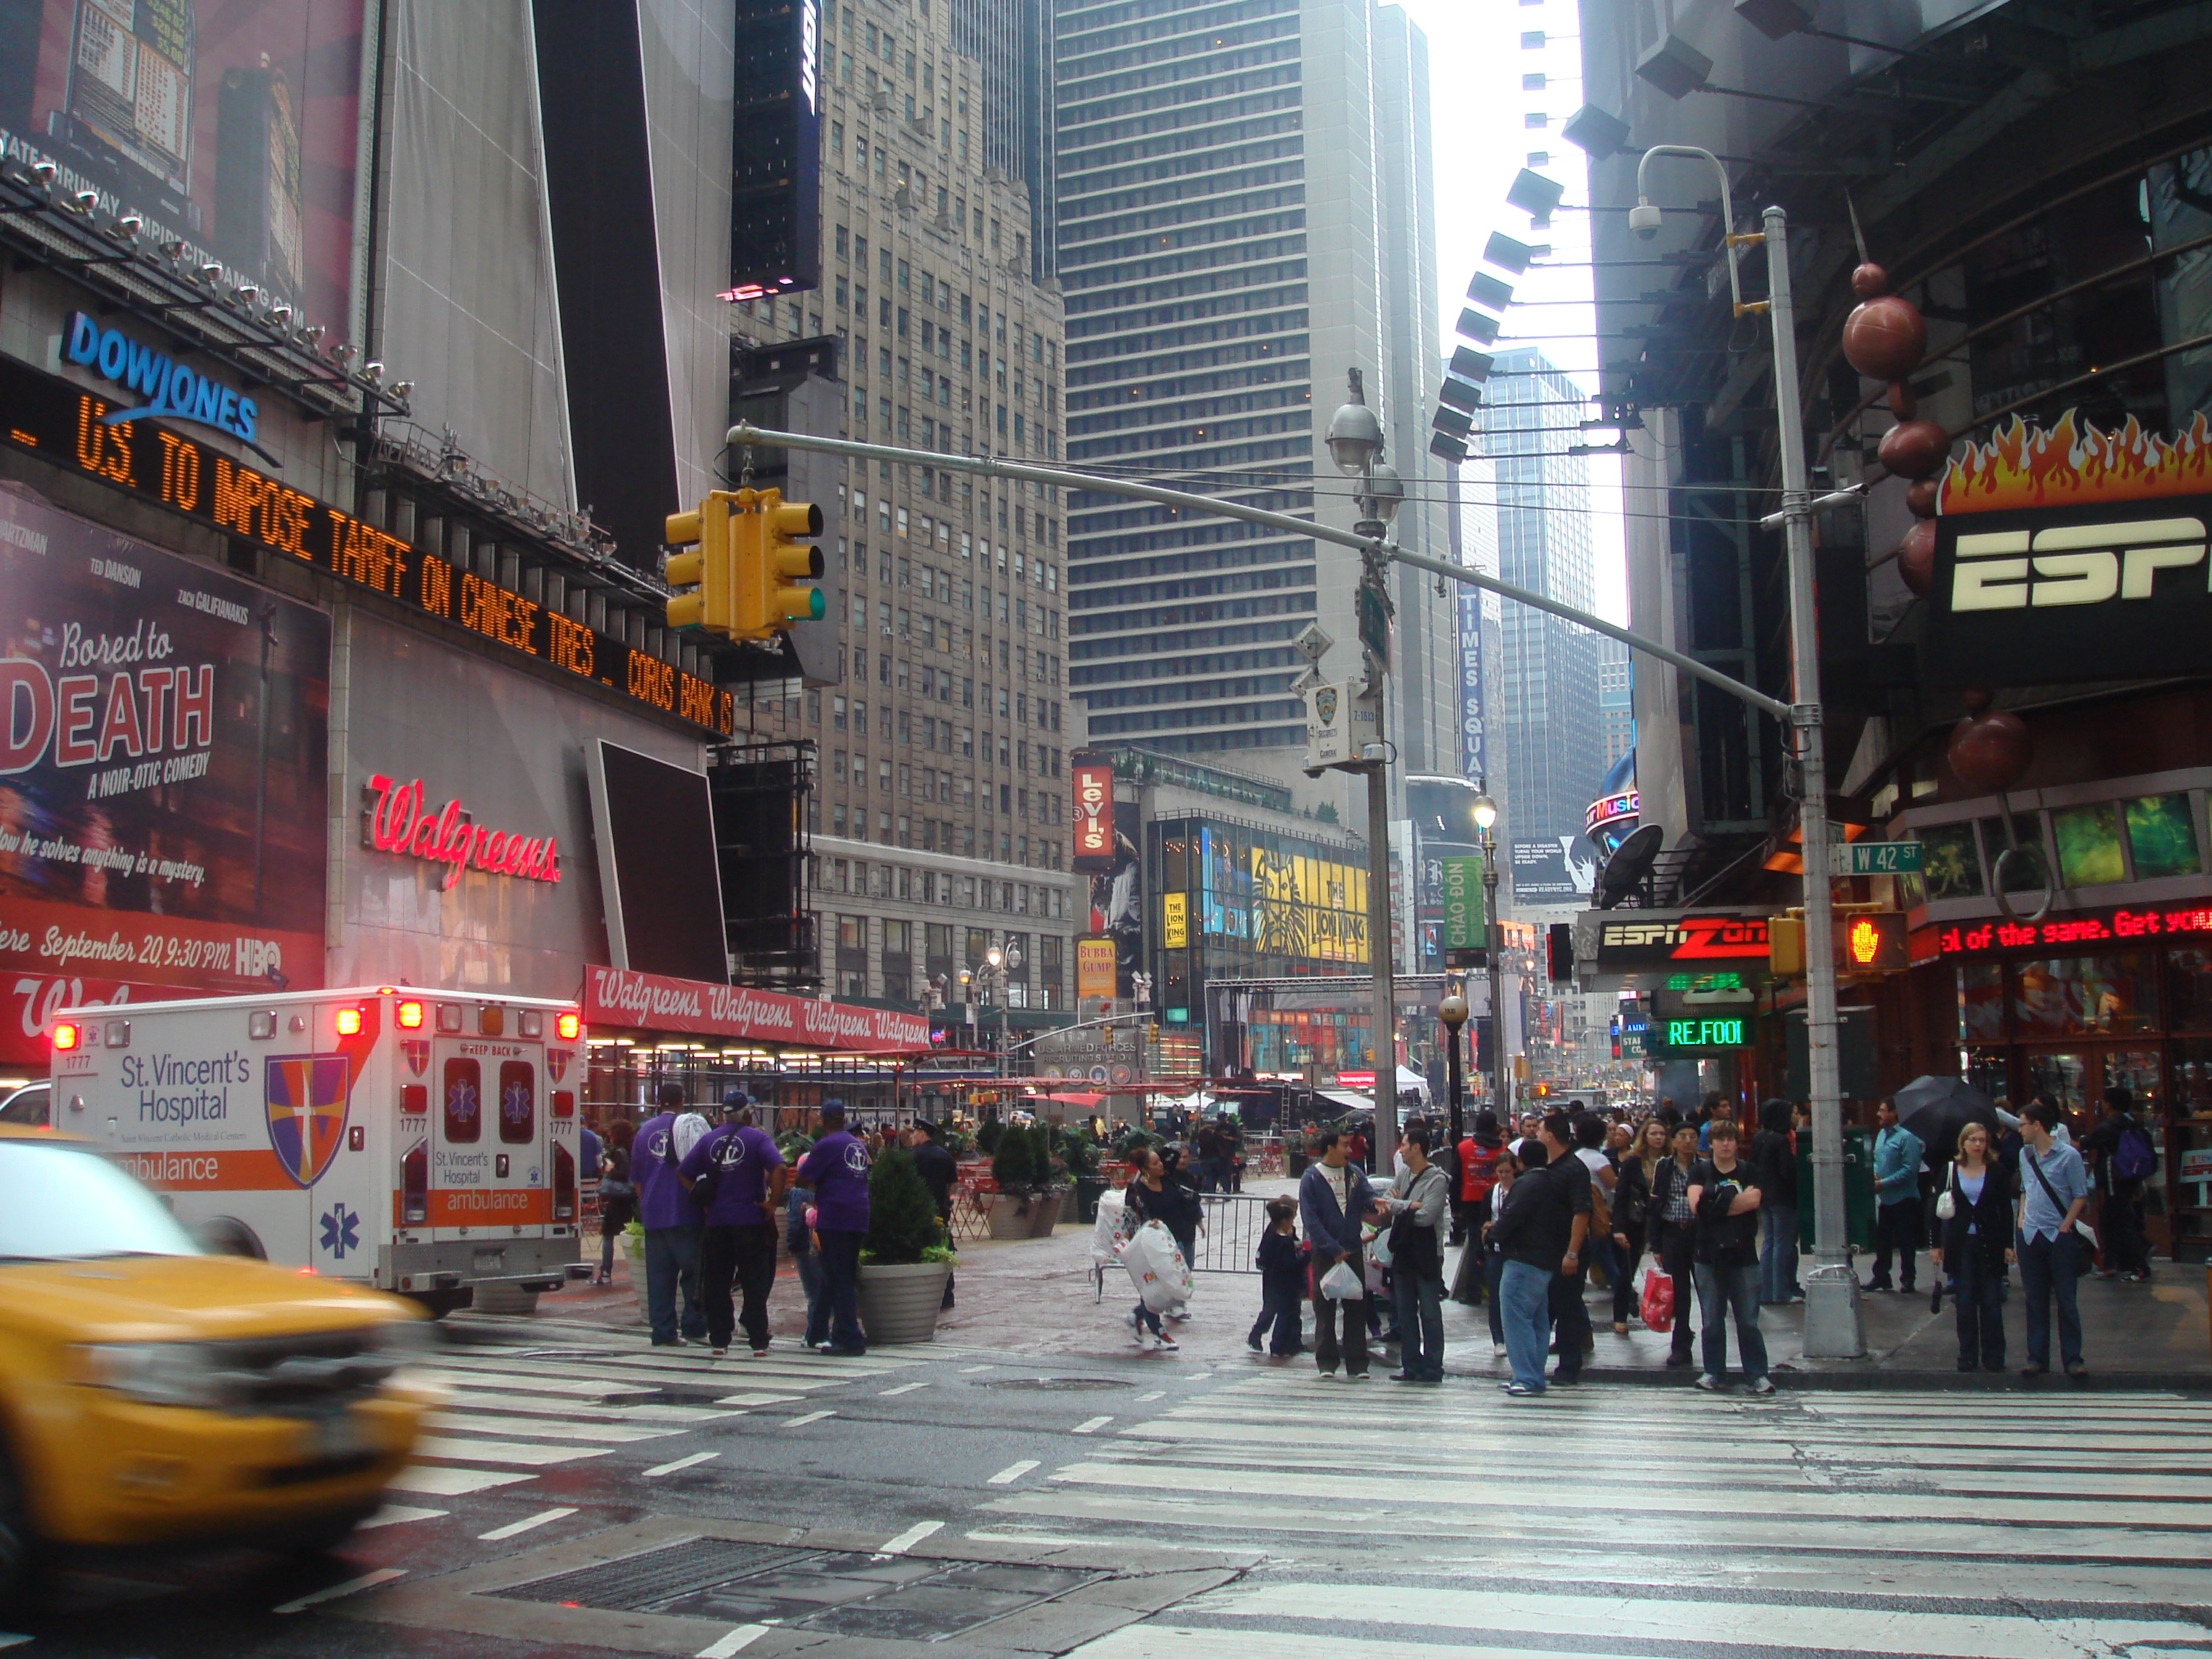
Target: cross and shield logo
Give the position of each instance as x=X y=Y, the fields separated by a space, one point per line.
x=305 y=1098
x=417 y=1052
x=556 y=1061
x=1325 y=705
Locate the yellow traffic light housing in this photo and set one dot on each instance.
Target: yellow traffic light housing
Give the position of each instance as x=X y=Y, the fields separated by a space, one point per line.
x=1785 y=946
x=768 y=557
x=706 y=570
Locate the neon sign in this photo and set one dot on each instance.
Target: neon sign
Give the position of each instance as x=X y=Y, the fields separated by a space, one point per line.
x=168 y=388
x=398 y=821
x=1704 y=1034
x=2098 y=927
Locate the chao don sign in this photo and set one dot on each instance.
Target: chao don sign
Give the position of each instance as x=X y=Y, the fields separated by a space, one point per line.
x=2072 y=554
x=621 y=997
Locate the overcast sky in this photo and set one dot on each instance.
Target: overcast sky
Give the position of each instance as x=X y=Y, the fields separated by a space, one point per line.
x=1477 y=67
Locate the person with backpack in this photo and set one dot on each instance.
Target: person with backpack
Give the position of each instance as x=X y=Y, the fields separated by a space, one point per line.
x=2124 y=1158
x=671 y=1226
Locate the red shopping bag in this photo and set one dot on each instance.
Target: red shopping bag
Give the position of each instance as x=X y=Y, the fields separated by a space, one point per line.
x=1658 y=1301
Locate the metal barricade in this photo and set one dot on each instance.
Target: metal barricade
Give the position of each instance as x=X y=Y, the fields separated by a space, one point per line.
x=1229 y=1242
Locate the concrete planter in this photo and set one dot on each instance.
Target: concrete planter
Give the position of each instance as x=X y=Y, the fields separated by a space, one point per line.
x=900 y=1305
x=1045 y=1211
x=1012 y=1215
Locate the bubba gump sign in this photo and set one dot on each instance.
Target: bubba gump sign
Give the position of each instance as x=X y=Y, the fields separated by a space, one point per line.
x=623 y=998
x=399 y=819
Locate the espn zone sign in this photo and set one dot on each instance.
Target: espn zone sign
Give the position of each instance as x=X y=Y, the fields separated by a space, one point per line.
x=1648 y=941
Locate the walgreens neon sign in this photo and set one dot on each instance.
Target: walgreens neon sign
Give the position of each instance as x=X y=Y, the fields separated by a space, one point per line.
x=398 y=821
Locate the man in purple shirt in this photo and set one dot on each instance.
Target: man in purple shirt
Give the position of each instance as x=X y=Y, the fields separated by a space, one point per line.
x=746 y=1184
x=671 y=1224
x=836 y=1173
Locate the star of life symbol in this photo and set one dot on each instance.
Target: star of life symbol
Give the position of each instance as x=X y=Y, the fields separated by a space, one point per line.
x=341 y=1230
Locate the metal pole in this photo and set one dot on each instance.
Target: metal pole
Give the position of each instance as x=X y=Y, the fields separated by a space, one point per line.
x=1495 y=938
x=1452 y=1082
x=1385 y=1015
x=745 y=433
x=1832 y=1329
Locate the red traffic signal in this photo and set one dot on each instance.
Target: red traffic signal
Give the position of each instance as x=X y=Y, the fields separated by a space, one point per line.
x=1871 y=941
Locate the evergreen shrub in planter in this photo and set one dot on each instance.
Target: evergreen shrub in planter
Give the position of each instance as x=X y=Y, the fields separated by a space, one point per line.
x=904 y=1264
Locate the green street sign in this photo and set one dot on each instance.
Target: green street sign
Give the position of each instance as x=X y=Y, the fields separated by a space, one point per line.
x=1464 y=927
x=1374 y=609
x=1884 y=858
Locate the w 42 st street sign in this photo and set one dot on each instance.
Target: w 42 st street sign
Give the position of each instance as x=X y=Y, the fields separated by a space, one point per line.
x=1883 y=858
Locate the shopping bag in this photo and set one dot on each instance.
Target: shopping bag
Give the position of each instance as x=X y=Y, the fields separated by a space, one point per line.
x=1157 y=1267
x=1342 y=1283
x=1112 y=1228
x=1658 y=1301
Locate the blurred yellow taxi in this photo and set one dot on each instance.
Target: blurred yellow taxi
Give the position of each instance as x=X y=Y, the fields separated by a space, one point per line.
x=151 y=1394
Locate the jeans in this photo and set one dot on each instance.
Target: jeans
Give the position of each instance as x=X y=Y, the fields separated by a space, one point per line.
x=606 y=1254
x=1525 y=1297
x=1420 y=1300
x=810 y=1285
x=1571 y=1318
x=1778 y=1252
x=1896 y=1227
x=1978 y=1288
x=1279 y=1309
x=840 y=1318
x=671 y=1260
x=1148 y=1321
x=2048 y=1268
x=1327 y=1312
x=745 y=1255
x=1721 y=1291
x=1678 y=1259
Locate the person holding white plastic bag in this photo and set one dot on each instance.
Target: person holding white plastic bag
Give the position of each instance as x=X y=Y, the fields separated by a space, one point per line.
x=1148 y=1202
x=1333 y=1199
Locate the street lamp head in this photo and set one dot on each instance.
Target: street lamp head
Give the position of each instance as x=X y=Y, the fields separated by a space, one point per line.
x=994 y=957
x=1485 y=810
x=1385 y=495
x=1452 y=1010
x=1355 y=438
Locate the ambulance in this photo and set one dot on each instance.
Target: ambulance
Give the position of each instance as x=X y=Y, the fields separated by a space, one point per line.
x=423 y=1142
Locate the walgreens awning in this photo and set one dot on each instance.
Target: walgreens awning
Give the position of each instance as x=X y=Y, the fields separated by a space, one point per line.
x=622 y=998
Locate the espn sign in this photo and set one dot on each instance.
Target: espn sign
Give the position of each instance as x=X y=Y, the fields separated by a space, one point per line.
x=1650 y=938
x=2036 y=597
x=1093 y=784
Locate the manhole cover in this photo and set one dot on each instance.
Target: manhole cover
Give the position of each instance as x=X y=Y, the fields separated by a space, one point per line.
x=1055 y=1384
x=833 y=1594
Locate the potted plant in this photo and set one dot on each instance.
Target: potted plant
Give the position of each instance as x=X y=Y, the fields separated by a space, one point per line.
x=904 y=1264
x=1013 y=1171
x=1049 y=1183
x=986 y=1137
x=1079 y=1152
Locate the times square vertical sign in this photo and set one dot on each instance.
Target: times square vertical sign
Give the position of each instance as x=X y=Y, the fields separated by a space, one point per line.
x=1473 y=741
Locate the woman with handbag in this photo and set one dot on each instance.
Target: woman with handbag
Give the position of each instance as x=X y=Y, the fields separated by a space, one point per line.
x=1671 y=1232
x=1631 y=1202
x=1973 y=1216
x=617 y=1198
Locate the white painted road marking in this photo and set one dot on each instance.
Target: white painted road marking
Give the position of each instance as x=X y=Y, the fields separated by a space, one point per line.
x=904 y=1388
x=391 y=1515
x=681 y=1463
x=502 y=1451
x=450 y=1483
x=516 y=1529
x=1092 y=1426
x=1157 y=1393
x=1011 y=1473
x=907 y=1539
x=10 y=1639
x=352 y=1586
x=737 y=1641
x=969 y=1371
x=811 y=1417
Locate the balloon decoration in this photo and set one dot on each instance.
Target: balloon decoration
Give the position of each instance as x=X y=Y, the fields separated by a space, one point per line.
x=1989 y=749
x=1885 y=339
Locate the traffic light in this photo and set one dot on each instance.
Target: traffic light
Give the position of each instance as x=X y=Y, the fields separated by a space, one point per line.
x=1871 y=941
x=712 y=604
x=768 y=556
x=1785 y=946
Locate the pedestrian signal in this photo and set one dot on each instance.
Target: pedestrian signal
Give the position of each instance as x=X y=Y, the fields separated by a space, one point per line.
x=1873 y=941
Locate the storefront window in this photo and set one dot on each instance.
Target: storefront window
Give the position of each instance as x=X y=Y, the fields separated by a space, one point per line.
x=2027 y=873
x=2192 y=990
x=2075 y=996
x=2088 y=840
x=1988 y=1071
x=1981 y=1003
x=2162 y=837
x=2061 y=1076
x=1949 y=861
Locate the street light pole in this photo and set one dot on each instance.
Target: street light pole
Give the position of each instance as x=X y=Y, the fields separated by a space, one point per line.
x=1452 y=1011
x=1485 y=820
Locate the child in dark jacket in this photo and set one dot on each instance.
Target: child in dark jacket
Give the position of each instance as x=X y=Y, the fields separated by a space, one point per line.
x=1282 y=1263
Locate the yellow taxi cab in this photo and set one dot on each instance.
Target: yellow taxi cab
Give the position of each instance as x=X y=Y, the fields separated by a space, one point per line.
x=152 y=1394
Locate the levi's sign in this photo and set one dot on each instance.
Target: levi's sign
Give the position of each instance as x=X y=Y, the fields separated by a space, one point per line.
x=118 y=445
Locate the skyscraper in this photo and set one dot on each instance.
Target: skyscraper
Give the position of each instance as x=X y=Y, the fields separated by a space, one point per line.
x=1616 y=699
x=1547 y=678
x=1220 y=237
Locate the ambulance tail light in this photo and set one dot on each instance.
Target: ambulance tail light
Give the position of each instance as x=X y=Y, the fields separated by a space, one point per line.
x=67 y=1036
x=530 y=1023
x=564 y=1183
x=567 y=1026
x=348 y=1022
x=414 y=1185
x=410 y=1016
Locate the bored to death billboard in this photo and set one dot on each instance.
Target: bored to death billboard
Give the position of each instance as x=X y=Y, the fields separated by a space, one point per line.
x=162 y=736
x=229 y=127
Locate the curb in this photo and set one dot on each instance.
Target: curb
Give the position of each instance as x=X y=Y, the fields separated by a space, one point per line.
x=1789 y=1380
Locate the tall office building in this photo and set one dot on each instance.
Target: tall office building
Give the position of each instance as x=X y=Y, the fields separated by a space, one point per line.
x=1011 y=44
x=939 y=822
x=1616 y=699
x=1220 y=237
x=1547 y=680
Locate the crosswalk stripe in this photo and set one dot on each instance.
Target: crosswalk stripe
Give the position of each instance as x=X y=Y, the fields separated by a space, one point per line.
x=432 y=1482
x=351 y=1587
x=1011 y=1473
x=502 y=1451
x=611 y=1433
x=399 y=1515
x=801 y=1422
x=1182 y=1642
x=528 y=1523
x=692 y=1461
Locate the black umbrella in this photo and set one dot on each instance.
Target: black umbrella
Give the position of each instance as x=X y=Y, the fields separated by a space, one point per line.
x=1936 y=1108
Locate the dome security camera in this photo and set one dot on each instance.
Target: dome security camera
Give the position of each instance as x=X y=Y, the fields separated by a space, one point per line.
x=1644 y=220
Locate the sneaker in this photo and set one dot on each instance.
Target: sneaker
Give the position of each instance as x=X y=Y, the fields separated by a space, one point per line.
x=1678 y=1359
x=1358 y=1377
x=1146 y=1342
x=1710 y=1384
x=1168 y=1344
x=759 y=1353
x=1497 y=1351
x=2077 y=1369
x=1130 y=1319
x=1762 y=1385
x=1328 y=1377
x=1521 y=1391
x=2141 y=1276
x=1872 y=1285
x=718 y=1354
x=2032 y=1369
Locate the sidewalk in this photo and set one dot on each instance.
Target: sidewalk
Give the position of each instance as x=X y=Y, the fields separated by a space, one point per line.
x=1038 y=1297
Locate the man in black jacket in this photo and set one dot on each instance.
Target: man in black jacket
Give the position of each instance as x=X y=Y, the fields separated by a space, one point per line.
x=1724 y=1195
x=2121 y=1154
x=1774 y=1155
x=1541 y=1237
